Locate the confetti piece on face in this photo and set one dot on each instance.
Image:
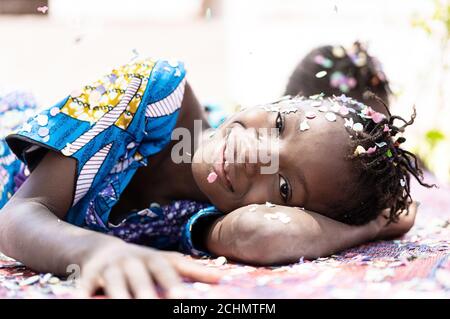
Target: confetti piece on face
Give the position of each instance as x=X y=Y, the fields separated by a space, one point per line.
x=310 y=115
x=358 y=127
x=212 y=177
x=269 y=204
x=330 y=116
x=270 y=216
x=359 y=150
x=285 y=220
x=371 y=150
x=304 y=126
x=321 y=74
x=316 y=103
x=323 y=109
x=42 y=9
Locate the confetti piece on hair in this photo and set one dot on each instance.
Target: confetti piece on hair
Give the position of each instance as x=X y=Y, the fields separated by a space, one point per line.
x=358 y=127
x=380 y=145
x=338 y=51
x=212 y=177
x=335 y=107
x=304 y=126
x=269 y=204
x=377 y=117
x=386 y=128
x=321 y=74
x=316 y=103
x=330 y=116
x=402 y=182
x=310 y=115
x=359 y=150
x=317 y=96
x=42 y=9
x=348 y=122
x=371 y=150
x=389 y=153
x=343 y=110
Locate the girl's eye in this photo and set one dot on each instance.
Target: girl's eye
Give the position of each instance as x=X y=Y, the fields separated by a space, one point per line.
x=284 y=189
x=279 y=123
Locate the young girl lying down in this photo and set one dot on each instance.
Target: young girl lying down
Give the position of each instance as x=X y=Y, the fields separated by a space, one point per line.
x=95 y=164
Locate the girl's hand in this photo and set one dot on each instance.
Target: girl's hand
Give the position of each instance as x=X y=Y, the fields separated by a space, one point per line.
x=127 y=270
x=393 y=230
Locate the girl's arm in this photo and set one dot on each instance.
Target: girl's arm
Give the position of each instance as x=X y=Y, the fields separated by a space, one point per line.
x=32 y=231
x=252 y=237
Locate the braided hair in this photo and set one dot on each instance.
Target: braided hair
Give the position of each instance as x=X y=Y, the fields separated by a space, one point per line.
x=335 y=70
x=383 y=167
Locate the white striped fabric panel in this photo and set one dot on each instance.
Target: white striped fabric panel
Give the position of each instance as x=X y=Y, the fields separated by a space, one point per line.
x=169 y=104
x=88 y=172
x=106 y=121
x=122 y=165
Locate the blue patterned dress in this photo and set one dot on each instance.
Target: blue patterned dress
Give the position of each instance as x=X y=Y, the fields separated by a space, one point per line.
x=110 y=127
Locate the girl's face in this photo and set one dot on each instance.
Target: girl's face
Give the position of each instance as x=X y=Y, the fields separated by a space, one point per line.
x=309 y=167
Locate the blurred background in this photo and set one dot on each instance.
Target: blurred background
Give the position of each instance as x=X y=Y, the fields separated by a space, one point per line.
x=237 y=52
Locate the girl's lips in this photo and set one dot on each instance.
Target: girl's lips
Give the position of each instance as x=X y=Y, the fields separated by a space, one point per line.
x=221 y=168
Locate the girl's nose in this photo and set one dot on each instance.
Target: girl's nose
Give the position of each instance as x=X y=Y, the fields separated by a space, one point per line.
x=258 y=150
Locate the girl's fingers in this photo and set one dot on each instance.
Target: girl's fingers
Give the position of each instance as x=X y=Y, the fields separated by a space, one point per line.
x=115 y=284
x=195 y=271
x=139 y=280
x=89 y=281
x=164 y=273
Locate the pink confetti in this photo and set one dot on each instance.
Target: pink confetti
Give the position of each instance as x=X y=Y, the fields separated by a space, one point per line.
x=386 y=128
x=343 y=110
x=371 y=150
x=212 y=177
x=377 y=117
x=42 y=9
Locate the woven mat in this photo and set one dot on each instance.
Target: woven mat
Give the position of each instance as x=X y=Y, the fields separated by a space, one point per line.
x=415 y=266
